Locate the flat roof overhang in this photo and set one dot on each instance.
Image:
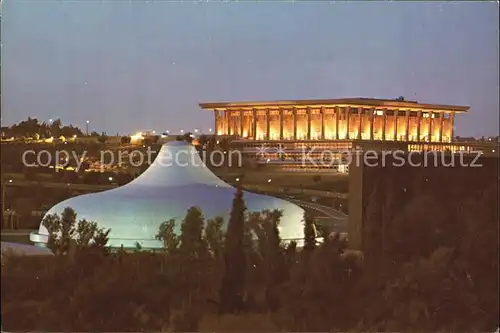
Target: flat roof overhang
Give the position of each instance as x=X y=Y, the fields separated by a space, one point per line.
x=353 y=102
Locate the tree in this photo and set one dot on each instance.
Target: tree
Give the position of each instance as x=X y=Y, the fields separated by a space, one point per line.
x=275 y=261
x=191 y=239
x=309 y=233
x=166 y=233
x=272 y=269
x=65 y=232
x=328 y=276
x=192 y=248
x=233 y=282
x=32 y=128
x=192 y=258
x=215 y=237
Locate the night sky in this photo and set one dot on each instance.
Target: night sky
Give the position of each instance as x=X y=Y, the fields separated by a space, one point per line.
x=136 y=65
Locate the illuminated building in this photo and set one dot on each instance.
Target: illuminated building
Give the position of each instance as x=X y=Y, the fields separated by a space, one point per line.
x=336 y=119
x=340 y=124
x=175 y=181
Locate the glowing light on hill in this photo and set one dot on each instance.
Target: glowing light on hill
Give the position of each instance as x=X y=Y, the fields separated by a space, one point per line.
x=136 y=137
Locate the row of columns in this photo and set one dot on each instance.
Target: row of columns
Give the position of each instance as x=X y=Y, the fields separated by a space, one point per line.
x=347 y=115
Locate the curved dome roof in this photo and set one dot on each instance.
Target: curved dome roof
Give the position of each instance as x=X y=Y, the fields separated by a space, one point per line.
x=175 y=181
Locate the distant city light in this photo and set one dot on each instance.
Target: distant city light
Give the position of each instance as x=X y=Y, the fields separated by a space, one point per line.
x=110 y=179
x=210 y=130
x=182 y=131
x=269 y=180
x=136 y=137
x=196 y=130
x=237 y=179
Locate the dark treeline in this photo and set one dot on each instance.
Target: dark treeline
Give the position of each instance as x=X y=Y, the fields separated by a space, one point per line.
x=244 y=278
x=32 y=128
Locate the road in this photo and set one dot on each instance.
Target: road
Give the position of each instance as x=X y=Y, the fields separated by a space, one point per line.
x=328 y=211
x=332 y=218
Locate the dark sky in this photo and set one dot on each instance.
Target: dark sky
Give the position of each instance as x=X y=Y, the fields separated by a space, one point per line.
x=137 y=65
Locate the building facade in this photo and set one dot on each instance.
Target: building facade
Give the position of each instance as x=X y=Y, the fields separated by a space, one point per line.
x=336 y=119
x=310 y=135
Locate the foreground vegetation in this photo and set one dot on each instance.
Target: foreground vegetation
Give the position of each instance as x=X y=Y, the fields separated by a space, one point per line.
x=431 y=274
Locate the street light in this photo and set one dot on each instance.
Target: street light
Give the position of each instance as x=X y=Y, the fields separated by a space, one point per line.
x=87 y=127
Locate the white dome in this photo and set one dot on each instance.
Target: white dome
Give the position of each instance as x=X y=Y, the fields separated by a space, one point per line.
x=175 y=181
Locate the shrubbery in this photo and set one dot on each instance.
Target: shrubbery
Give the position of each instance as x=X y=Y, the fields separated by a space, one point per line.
x=247 y=279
